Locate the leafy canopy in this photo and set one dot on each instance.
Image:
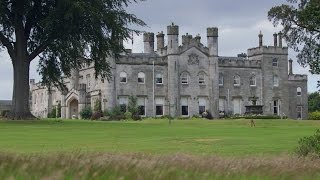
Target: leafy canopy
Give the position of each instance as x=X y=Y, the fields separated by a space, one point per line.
x=314 y=102
x=301 y=28
x=65 y=34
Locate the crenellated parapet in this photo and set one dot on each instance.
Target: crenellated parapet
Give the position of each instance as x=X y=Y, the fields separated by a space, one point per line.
x=142 y=59
x=267 y=50
x=238 y=62
x=298 y=77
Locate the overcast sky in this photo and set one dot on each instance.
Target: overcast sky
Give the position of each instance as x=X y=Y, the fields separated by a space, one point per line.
x=239 y=23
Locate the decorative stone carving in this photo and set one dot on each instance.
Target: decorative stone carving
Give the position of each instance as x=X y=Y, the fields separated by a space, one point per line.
x=193 y=59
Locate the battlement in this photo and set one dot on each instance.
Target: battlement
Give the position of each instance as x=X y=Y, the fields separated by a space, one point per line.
x=173 y=29
x=238 y=62
x=142 y=59
x=212 y=32
x=267 y=50
x=298 y=77
x=148 y=37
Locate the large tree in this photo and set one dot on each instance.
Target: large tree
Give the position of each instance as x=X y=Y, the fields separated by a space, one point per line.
x=314 y=102
x=61 y=33
x=301 y=28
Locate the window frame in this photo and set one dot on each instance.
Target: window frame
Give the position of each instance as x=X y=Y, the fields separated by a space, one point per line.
x=184 y=78
x=221 y=79
x=157 y=77
x=275 y=81
x=235 y=78
x=121 y=77
x=299 y=91
x=275 y=62
x=202 y=78
x=253 y=77
x=141 y=76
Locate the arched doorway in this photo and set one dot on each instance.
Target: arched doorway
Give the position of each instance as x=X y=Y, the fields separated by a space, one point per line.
x=73 y=108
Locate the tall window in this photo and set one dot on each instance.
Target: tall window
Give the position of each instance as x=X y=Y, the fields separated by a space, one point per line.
x=201 y=78
x=220 y=79
x=141 y=106
x=159 y=106
x=123 y=102
x=253 y=80
x=88 y=81
x=123 y=77
x=236 y=80
x=202 y=105
x=276 y=107
x=159 y=78
x=275 y=62
x=184 y=106
x=299 y=91
x=35 y=99
x=141 y=78
x=184 y=78
x=275 y=81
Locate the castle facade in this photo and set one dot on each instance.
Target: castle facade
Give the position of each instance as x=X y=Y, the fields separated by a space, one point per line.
x=184 y=80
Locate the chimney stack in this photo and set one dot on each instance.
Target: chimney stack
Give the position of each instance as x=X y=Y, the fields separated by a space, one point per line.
x=290 y=67
x=160 y=41
x=148 y=40
x=275 y=40
x=280 y=39
x=212 y=39
x=260 y=39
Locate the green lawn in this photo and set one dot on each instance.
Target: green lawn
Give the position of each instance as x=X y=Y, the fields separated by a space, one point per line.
x=215 y=137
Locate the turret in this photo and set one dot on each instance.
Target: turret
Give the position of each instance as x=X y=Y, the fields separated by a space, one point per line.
x=148 y=40
x=212 y=38
x=275 y=40
x=290 y=67
x=260 y=39
x=160 y=40
x=173 y=40
x=280 y=39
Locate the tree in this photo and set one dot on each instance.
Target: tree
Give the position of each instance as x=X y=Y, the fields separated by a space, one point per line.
x=64 y=34
x=314 y=102
x=301 y=29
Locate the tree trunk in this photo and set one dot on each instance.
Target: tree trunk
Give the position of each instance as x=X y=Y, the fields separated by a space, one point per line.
x=21 y=90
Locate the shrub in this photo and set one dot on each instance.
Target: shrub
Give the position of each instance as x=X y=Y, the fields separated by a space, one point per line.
x=115 y=113
x=97 y=106
x=314 y=115
x=86 y=112
x=132 y=105
x=128 y=115
x=309 y=145
x=4 y=113
x=53 y=112
x=96 y=115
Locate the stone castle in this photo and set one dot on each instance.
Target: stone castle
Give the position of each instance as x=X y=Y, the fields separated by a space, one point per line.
x=185 y=80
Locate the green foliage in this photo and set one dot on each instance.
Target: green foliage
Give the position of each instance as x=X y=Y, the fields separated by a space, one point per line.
x=53 y=112
x=301 y=29
x=128 y=115
x=59 y=110
x=86 y=112
x=4 y=113
x=115 y=113
x=314 y=115
x=309 y=145
x=97 y=106
x=132 y=105
x=314 y=102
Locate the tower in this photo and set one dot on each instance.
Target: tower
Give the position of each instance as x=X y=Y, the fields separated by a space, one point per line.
x=173 y=39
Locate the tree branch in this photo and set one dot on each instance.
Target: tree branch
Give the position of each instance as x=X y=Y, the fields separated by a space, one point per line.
x=5 y=41
x=38 y=50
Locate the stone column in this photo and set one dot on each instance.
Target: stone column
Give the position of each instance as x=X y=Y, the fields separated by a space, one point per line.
x=63 y=105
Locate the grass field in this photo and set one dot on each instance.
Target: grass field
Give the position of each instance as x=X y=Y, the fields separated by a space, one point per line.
x=185 y=149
